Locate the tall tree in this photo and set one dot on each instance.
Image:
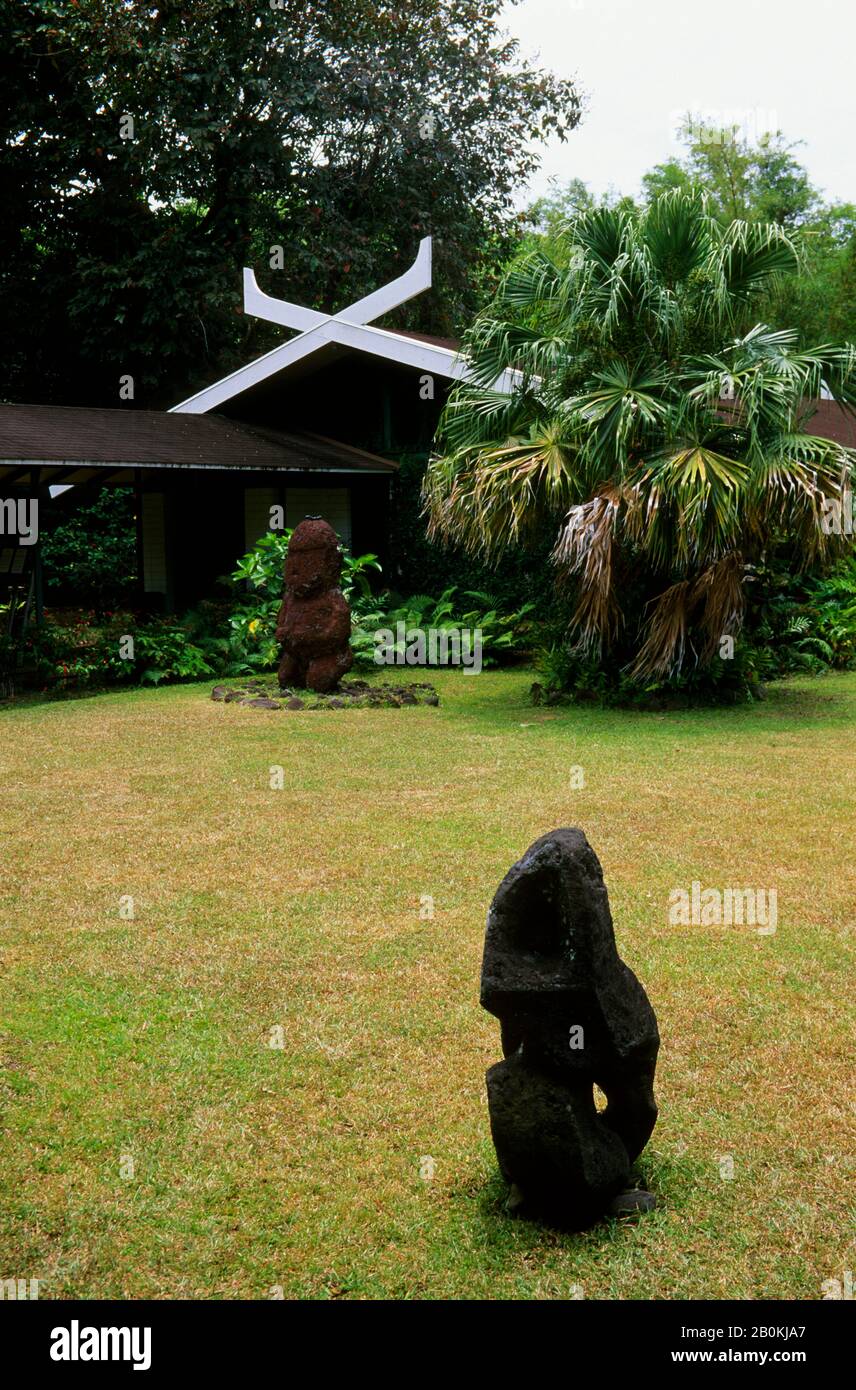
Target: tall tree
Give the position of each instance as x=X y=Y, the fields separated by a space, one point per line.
x=764 y=182
x=656 y=424
x=546 y=220
x=150 y=148
x=760 y=182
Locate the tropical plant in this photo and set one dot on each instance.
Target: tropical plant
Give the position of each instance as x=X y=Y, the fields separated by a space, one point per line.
x=164 y=653
x=89 y=548
x=503 y=635
x=74 y=649
x=565 y=673
x=653 y=422
x=262 y=568
x=805 y=623
x=763 y=181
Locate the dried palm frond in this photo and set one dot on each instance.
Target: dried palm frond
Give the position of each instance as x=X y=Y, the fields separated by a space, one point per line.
x=585 y=548
x=663 y=650
x=794 y=488
x=719 y=591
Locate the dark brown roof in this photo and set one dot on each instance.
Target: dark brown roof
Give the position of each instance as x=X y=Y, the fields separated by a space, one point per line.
x=453 y=344
x=831 y=421
x=72 y=435
x=820 y=417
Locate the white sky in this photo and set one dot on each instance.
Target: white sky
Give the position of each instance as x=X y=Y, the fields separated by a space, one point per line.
x=759 y=63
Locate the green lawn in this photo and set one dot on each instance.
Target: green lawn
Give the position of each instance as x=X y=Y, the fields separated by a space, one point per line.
x=299 y=1166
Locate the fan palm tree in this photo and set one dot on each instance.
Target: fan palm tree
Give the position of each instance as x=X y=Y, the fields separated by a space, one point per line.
x=660 y=429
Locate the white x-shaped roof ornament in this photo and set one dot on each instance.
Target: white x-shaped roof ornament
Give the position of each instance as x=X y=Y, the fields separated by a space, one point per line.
x=348 y=329
x=411 y=283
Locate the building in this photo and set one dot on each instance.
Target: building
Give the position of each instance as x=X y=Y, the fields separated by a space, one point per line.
x=314 y=426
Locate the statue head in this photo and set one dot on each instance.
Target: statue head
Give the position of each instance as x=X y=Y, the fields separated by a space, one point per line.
x=314 y=561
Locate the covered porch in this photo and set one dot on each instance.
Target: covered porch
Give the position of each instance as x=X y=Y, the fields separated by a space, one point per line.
x=204 y=487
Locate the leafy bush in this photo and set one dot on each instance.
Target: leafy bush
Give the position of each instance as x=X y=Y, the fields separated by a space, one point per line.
x=74 y=650
x=89 y=549
x=262 y=568
x=504 y=636
x=566 y=675
x=804 y=624
x=793 y=624
x=164 y=653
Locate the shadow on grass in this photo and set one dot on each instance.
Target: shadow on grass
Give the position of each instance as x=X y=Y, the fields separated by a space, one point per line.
x=676 y=1180
x=30 y=699
x=811 y=696
x=501 y=703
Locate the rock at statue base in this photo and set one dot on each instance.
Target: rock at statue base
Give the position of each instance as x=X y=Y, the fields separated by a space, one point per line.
x=314 y=621
x=572 y=1016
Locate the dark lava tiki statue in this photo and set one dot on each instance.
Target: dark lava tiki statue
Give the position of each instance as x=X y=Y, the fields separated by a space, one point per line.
x=314 y=622
x=573 y=1015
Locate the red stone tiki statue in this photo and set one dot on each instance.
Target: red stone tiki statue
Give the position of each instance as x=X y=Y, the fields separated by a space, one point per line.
x=314 y=622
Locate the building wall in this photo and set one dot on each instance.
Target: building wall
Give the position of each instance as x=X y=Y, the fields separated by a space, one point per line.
x=357 y=400
x=296 y=502
x=207 y=517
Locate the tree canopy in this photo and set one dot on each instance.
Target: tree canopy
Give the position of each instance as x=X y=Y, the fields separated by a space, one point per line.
x=750 y=181
x=151 y=148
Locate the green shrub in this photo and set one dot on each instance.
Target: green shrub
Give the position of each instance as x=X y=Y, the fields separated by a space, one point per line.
x=242 y=641
x=164 y=653
x=75 y=650
x=799 y=623
x=504 y=636
x=793 y=624
x=566 y=675
x=89 y=548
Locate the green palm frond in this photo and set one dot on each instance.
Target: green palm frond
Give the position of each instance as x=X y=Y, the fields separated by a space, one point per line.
x=677 y=235
x=703 y=491
x=493 y=345
x=745 y=257
x=598 y=236
x=530 y=281
x=626 y=405
x=487 y=497
x=474 y=416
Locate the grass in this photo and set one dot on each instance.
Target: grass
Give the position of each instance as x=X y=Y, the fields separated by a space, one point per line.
x=297 y=1167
